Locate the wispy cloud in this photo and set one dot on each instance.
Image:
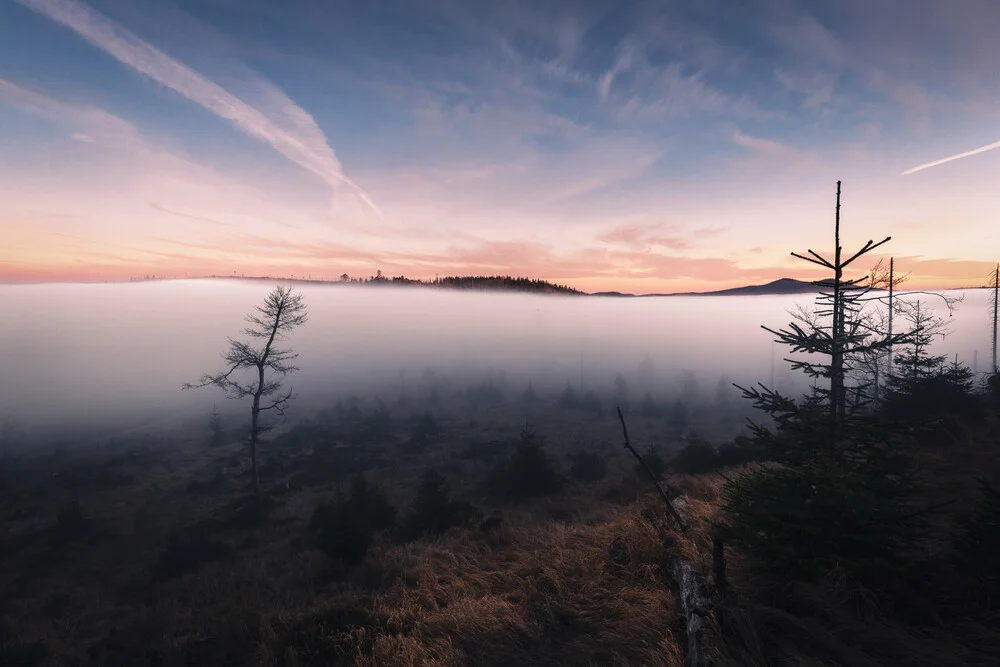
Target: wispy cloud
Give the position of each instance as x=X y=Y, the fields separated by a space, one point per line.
x=959 y=156
x=291 y=130
x=772 y=149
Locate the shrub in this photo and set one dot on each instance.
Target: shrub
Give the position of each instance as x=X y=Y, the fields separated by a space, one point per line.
x=993 y=386
x=647 y=408
x=487 y=450
x=655 y=461
x=485 y=394
x=23 y=655
x=567 y=401
x=434 y=511
x=677 y=417
x=376 y=425
x=979 y=543
x=70 y=524
x=740 y=451
x=425 y=429
x=434 y=397
x=590 y=402
x=528 y=473
x=186 y=550
x=697 y=457
x=588 y=467
x=215 y=427
x=805 y=520
x=345 y=526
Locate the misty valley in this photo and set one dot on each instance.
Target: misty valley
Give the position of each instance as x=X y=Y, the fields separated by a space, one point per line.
x=499 y=334
x=443 y=477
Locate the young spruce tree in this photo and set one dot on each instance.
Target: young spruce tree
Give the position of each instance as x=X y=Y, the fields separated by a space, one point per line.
x=838 y=497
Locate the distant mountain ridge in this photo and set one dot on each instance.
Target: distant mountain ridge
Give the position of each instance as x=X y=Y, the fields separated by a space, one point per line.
x=779 y=286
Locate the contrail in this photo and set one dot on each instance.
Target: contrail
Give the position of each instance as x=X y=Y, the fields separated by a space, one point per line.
x=976 y=151
x=292 y=131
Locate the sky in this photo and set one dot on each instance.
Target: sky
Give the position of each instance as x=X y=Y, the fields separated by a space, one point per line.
x=641 y=147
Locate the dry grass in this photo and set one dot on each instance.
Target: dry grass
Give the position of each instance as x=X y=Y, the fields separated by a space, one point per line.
x=544 y=590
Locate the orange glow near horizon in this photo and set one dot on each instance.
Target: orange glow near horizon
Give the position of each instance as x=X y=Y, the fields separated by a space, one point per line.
x=610 y=172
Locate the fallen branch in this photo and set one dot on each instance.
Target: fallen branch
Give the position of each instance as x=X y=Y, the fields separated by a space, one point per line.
x=681 y=523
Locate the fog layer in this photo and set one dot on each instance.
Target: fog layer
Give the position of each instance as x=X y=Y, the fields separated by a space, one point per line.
x=115 y=355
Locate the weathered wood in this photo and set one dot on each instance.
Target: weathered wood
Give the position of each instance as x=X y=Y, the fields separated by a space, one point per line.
x=697 y=610
x=694 y=600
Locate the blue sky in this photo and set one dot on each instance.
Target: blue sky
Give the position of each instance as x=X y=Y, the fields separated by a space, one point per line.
x=655 y=146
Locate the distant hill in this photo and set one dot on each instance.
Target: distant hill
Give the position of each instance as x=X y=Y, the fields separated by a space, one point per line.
x=611 y=294
x=780 y=286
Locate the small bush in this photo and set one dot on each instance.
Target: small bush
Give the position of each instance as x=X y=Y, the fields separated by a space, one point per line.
x=591 y=402
x=528 y=473
x=588 y=467
x=488 y=450
x=425 y=430
x=805 y=521
x=23 y=655
x=677 y=417
x=345 y=526
x=434 y=397
x=740 y=451
x=485 y=394
x=56 y=606
x=186 y=550
x=70 y=524
x=648 y=408
x=567 y=401
x=434 y=511
x=696 y=458
x=993 y=386
x=979 y=543
x=376 y=425
x=655 y=461
x=341 y=534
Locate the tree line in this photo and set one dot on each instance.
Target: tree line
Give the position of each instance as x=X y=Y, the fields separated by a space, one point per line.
x=505 y=282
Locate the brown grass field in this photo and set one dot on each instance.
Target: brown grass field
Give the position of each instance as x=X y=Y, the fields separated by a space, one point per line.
x=544 y=589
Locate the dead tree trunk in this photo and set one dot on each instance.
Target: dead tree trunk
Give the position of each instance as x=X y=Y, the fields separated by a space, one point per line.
x=837 y=401
x=254 y=431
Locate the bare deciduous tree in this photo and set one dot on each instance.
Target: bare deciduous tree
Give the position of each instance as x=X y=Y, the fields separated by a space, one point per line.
x=282 y=311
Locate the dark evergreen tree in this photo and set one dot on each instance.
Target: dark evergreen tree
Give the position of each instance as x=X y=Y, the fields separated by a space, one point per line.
x=528 y=473
x=621 y=393
x=215 y=427
x=568 y=399
x=434 y=511
x=842 y=496
x=647 y=408
x=677 y=418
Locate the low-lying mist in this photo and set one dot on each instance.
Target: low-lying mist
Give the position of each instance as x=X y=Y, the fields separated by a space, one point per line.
x=84 y=361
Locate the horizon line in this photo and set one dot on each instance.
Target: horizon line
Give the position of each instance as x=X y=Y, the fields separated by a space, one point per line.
x=423 y=283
